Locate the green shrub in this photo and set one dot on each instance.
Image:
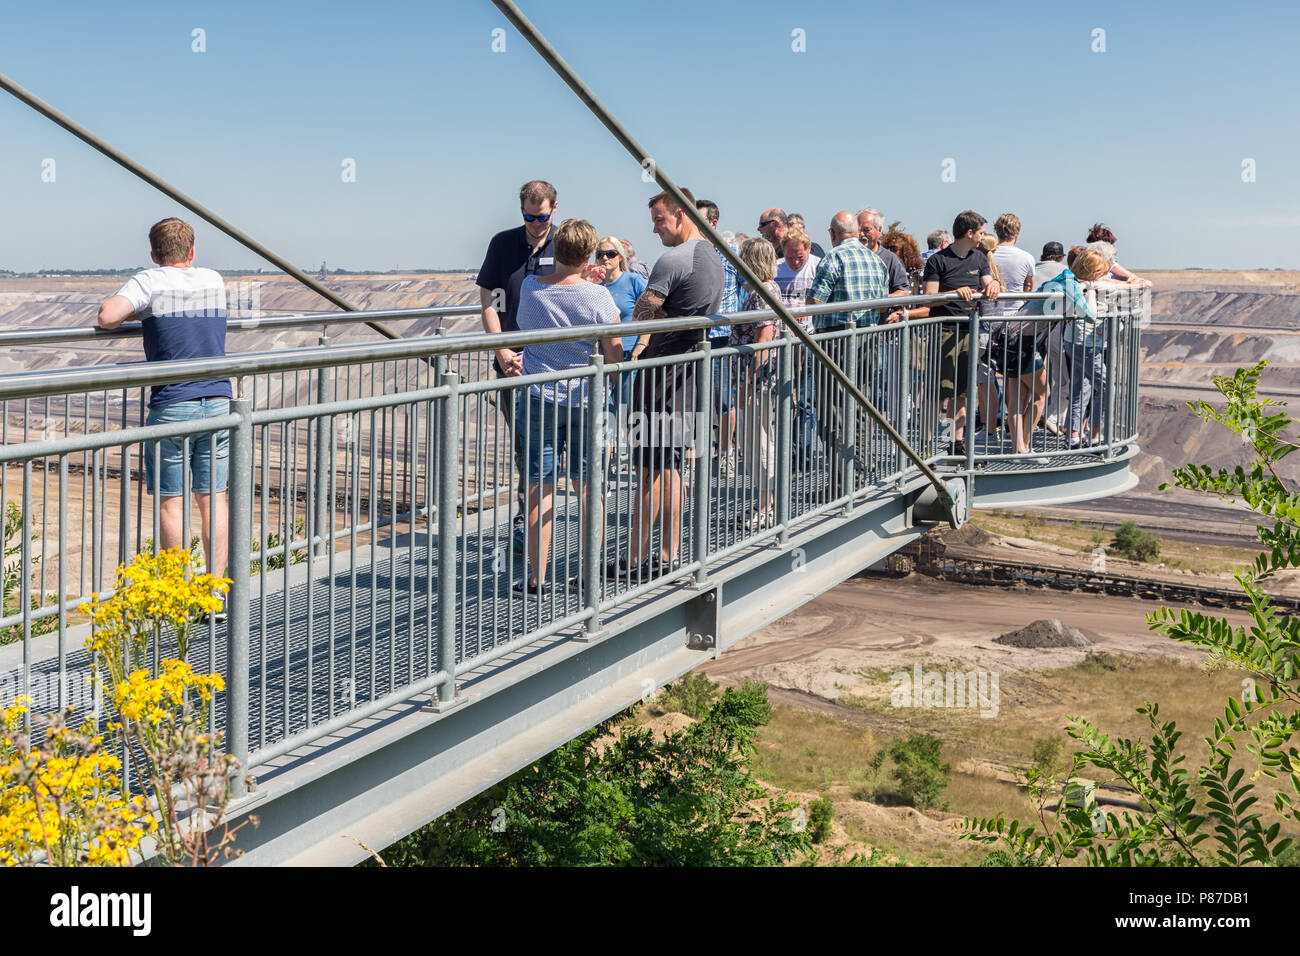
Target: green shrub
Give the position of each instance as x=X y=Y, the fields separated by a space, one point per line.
x=919 y=769
x=1134 y=543
x=820 y=812
x=691 y=695
x=689 y=799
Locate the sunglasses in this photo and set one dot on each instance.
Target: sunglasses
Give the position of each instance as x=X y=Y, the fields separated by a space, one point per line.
x=528 y=218
x=606 y=253
x=767 y=222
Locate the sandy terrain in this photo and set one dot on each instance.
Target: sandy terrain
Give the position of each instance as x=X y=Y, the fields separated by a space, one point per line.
x=880 y=625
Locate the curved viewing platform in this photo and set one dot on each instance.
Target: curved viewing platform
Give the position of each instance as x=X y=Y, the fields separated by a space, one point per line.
x=382 y=660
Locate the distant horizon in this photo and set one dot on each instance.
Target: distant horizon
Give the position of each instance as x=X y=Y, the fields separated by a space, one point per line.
x=411 y=126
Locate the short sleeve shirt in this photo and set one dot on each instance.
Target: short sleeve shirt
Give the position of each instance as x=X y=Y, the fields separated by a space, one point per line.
x=544 y=306
x=626 y=289
x=794 y=286
x=690 y=279
x=1016 y=265
x=849 y=272
x=953 y=272
x=898 y=277
x=184 y=317
x=508 y=262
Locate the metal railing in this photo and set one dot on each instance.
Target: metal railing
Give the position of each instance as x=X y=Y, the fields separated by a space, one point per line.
x=374 y=488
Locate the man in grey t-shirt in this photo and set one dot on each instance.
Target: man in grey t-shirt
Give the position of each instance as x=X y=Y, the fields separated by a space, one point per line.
x=687 y=280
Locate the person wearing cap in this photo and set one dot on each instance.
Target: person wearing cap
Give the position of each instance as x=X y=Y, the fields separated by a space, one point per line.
x=1051 y=264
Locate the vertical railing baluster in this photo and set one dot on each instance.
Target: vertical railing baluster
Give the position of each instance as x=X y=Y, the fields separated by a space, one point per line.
x=784 y=436
x=597 y=438
x=701 y=432
x=972 y=402
x=240 y=528
x=323 y=461
x=448 y=427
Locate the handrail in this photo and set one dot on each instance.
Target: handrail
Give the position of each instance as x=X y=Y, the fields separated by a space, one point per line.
x=33 y=384
x=291 y=321
x=20 y=337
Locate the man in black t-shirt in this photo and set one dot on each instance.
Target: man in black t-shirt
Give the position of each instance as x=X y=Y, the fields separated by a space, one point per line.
x=962 y=268
x=511 y=255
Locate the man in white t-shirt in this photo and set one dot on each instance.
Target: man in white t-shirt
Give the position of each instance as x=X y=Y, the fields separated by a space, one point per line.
x=183 y=313
x=1015 y=265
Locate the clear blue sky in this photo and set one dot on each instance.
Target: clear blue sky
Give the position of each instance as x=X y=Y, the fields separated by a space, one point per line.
x=1148 y=136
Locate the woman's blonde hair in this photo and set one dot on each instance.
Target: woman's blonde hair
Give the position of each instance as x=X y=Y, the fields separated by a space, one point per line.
x=759 y=255
x=1089 y=264
x=619 y=247
x=988 y=244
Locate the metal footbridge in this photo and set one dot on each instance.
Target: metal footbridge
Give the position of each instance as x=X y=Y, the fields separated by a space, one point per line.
x=380 y=665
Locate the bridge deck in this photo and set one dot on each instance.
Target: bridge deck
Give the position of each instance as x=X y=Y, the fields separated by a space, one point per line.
x=332 y=634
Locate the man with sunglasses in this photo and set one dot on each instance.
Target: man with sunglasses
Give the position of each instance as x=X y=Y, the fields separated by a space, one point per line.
x=512 y=255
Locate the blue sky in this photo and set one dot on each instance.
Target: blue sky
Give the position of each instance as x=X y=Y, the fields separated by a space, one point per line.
x=1148 y=136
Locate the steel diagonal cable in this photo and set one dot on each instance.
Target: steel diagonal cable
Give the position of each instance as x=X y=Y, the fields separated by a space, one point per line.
x=127 y=163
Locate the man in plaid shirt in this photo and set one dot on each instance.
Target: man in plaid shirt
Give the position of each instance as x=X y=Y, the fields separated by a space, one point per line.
x=850 y=271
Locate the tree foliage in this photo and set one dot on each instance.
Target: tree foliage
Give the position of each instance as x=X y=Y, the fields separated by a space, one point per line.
x=919 y=769
x=686 y=800
x=1134 y=543
x=1210 y=815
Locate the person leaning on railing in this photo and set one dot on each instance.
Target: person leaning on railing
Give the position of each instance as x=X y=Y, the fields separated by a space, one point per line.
x=1083 y=338
x=550 y=415
x=183 y=313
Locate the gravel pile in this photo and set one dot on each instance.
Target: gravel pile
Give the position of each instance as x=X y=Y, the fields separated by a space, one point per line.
x=1049 y=632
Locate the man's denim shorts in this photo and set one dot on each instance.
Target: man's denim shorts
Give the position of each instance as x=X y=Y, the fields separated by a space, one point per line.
x=551 y=430
x=209 y=452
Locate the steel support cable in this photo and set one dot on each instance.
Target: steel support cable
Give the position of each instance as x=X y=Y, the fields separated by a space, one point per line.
x=584 y=93
x=90 y=139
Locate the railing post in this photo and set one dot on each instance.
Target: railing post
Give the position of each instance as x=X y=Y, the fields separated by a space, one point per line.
x=972 y=374
x=849 y=455
x=240 y=528
x=904 y=393
x=435 y=457
x=702 y=435
x=597 y=439
x=323 y=526
x=1112 y=344
x=784 y=437
x=448 y=434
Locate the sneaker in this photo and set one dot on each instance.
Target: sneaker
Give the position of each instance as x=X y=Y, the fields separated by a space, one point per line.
x=622 y=569
x=529 y=590
x=958 y=449
x=1051 y=424
x=727 y=466
x=517 y=540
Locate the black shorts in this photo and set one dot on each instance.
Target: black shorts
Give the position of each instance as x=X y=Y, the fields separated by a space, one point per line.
x=662 y=426
x=1015 y=356
x=954 y=360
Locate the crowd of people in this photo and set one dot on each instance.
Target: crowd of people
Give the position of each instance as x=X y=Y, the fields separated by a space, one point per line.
x=1044 y=380
x=545 y=274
